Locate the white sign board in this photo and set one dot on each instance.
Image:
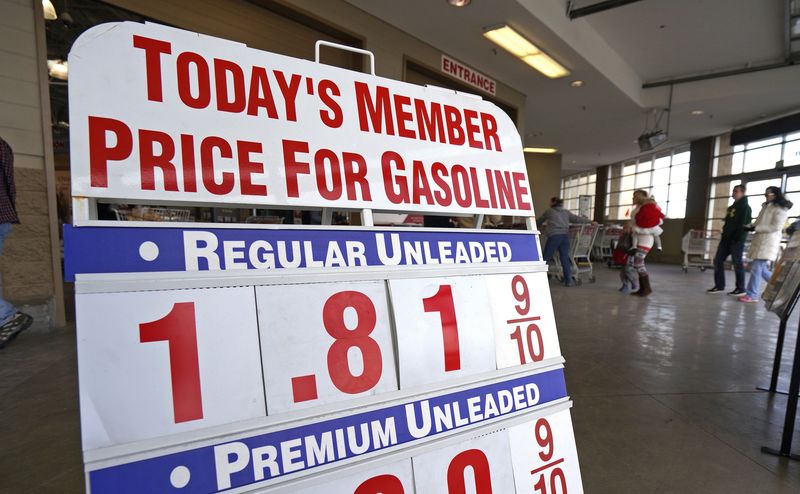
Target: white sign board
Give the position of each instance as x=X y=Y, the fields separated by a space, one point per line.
x=177 y=116
x=276 y=359
x=166 y=362
x=324 y=343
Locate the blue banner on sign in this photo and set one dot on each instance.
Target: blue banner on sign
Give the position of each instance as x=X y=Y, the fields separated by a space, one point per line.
x=263 y=457
x=146 y=250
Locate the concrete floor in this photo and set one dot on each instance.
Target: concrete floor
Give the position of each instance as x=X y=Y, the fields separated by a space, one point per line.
x=663 y=389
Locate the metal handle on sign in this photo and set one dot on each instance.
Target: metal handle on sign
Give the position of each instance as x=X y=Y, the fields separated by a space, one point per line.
x=345 y=48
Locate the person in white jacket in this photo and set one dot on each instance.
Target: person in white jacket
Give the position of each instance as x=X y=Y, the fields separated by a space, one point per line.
x=766 y=241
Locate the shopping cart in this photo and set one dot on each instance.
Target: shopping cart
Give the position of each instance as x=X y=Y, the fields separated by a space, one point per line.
x=146 y=213
x=581 y=241
x=607 y=238
x=699 y=248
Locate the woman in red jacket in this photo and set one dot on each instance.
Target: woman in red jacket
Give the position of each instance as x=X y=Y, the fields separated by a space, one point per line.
x=646 y=220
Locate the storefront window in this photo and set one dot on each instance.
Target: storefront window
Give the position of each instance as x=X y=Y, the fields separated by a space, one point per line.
x=758 y=165
x=575 y=186
x=665 y=175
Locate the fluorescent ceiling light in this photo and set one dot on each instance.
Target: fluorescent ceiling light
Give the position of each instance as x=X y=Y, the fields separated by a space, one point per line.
x=49 y=10
x=459 y=3
x=517 y=45
x=546 y=65
x=540 y=150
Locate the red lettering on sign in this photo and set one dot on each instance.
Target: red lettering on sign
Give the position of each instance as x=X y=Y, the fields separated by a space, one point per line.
x=472 y=129
x=101 y=152
x=430 y=125
x=378 y=112
x=442 y=302
x=333 y=117
x=202 y=78
x=443 y=196
x=188 y=161
x=403 y=116
x=479 y=463
x=461 y=189
x=521 y=190
x=355 y=173
x=153 y=49
x=389 y=159
x=179 y=330
x=420 y=184
x=247 y=168
x=328 y=190
x=455 y=134
x=492 y=190
x=149 y=160
x=346 y=338
x=382 y=484
x=292 y=166
x=479 y=201
x=260 y=94
x=505 y=188
x=225 y=103
x=489 y=126
x=289 y=91
x=207 y=147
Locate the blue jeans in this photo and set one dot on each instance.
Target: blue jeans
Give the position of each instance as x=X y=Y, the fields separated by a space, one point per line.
x=7 y=310
x=758 y=271
x=560 y=243
x=735 y=250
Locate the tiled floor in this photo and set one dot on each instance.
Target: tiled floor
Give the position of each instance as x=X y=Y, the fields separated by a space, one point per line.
x=664 y=392
x=664 y=388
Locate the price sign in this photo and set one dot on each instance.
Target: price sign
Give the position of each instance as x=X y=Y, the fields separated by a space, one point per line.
x=444 y=328
x=481 y=465
x=544 y=456
x=165 y=362
x=324 y=342
x=395 y=478
x=524 y=325
x=359 y=365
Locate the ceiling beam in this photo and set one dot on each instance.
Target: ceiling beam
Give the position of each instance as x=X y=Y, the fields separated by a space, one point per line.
x=595 y=8
x=717 y=75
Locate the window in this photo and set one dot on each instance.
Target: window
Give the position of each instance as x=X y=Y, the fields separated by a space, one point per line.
x=756 y=164
x=575 y=186
x=665 y=175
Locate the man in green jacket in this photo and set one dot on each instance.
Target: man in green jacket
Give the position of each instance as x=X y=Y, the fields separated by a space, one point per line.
x=734 y=235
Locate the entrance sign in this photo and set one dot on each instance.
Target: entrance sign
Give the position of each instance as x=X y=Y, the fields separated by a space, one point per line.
x=466 y=74
x=282 y=358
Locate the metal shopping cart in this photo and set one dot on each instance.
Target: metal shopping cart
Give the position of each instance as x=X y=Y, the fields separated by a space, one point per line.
x=147 y=213
x=699 y=247
x=607 y=238
x=581 y=241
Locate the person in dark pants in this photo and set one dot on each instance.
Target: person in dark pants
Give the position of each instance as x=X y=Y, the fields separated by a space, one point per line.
x=12 y=321
x=556 y=222
x=734 y=234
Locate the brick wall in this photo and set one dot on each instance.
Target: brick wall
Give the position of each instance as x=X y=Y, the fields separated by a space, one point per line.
x=26 y=264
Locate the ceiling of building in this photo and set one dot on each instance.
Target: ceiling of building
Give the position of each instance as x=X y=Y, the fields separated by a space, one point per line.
x=615 y=52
